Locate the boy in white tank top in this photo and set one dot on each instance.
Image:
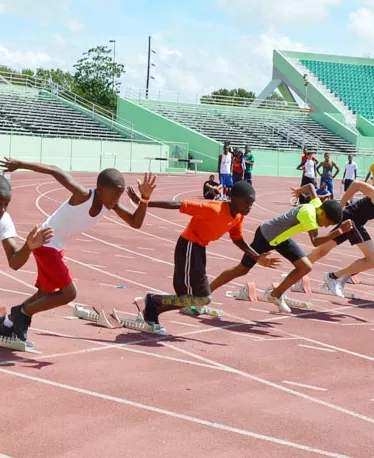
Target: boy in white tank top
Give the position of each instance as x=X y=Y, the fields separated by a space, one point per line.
x=81 y=211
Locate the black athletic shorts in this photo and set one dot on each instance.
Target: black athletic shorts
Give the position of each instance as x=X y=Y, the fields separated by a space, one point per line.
x=357 y=235
x=288 y=249
x=190 y=276
x=347 y=184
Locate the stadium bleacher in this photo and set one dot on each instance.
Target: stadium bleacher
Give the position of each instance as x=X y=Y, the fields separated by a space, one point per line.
x=34 y=112
x=261 y=128
x=352 y=83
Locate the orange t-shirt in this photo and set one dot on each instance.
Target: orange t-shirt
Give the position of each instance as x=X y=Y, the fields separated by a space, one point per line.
x=210 y=220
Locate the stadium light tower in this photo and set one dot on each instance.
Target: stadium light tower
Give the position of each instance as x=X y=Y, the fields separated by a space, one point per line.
x=306 y=84
x=150 y=50
x=114 y=59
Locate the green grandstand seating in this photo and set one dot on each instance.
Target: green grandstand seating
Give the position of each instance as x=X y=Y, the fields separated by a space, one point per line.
x=353 y=84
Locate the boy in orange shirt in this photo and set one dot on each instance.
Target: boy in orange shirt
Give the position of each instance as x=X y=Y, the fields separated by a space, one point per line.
x=210 y=221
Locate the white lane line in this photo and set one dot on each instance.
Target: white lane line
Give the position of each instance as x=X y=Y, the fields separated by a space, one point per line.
x=123 y=256
x=28 y=271
x=358 y=324
x=14 y=292
x=277 y=339
x=302 y=385
x=144 y=248
x=97 y=265
x=186 y=324
x=169 y=413
x=317 y=348
x=258 y=310
x=271 y=384
x=244 y=334
x=108 y=284
x=83 y=240
x=89 y=251
x=137 y=272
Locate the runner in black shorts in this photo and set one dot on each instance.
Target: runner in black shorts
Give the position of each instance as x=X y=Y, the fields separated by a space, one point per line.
x=210 y=221
x=276 y=235
x=360 y=213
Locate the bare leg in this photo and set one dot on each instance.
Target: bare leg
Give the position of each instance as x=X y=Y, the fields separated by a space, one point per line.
x=321 y=251
x=302 y=267
x=42 y=301
x=229 y=275
x=362 y=264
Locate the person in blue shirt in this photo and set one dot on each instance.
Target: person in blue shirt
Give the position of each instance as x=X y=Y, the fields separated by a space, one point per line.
x=323 y=193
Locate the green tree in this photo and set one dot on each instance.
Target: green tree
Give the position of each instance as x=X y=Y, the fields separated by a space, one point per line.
x=229 y=97
x=96 y=77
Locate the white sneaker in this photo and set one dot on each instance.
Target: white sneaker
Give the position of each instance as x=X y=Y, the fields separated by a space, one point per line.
x=333 y=285
x=344 y=281
x=280 y=302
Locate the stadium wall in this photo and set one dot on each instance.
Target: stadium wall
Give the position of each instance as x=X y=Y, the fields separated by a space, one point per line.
x=155 y=125
x=85 y=155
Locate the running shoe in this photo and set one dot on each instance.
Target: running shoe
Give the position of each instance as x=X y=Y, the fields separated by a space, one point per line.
x=4 y=330
x=279 y=302
x=334 y=285
x=21 y=322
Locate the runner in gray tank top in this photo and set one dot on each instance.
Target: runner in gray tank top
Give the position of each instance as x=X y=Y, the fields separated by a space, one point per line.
x=327 y=173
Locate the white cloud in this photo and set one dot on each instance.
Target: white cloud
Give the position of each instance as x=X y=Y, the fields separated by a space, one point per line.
x=74 y=25
x=59 y=40
x=23 y=59
x=361 y=23
x=3 y=8
x=166 y=53
x=278 y=12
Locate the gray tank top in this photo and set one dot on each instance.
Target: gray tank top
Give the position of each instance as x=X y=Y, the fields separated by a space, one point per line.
x=327 y=170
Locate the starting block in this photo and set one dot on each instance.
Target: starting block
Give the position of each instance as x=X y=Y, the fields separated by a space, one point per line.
x=139 y=324
x=13 y=343
x=304 y=286
x=354 y=280
x=248 y=293
x=94 y=315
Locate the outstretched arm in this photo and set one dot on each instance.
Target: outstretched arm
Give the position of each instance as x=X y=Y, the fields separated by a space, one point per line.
x=262 y=259
x=309 y=188
x=146 y=188
x=17 y=258
x=346 y=226
x=357 y=186
x=169 y=205
x=64 y=178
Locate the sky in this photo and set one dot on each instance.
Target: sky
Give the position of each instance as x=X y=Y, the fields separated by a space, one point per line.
x=201 y=45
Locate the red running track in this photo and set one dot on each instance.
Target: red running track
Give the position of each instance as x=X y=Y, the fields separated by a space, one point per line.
x=250 y=384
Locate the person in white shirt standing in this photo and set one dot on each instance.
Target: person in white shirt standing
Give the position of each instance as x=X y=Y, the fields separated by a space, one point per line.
x=350 y=173
x=309 y=173
x=84 y=208
x=225 y=165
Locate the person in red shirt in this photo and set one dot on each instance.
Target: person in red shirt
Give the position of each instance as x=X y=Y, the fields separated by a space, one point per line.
x=306 y=156
x=238 y=167
x=210 y=221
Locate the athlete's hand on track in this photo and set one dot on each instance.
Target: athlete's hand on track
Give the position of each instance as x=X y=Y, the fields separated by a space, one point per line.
x=346 y=226
x=10 y=165
x=39 y=237
x=146 y=188
x=295 y=192
x=265 y=260
x=133 y=195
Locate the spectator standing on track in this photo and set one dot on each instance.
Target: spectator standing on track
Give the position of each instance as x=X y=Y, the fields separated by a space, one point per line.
x=225 y=165
x=370 y=172
x=238 y=167
x=327 y=172
x=81 y=211
x=17 y=258
x=350 y=173
x=211 y=188
x=249 y=159
x=309 y=173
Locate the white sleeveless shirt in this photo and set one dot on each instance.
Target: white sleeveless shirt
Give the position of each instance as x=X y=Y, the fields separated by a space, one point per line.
x=70 y=220
x=225 y=168
x=309 y=168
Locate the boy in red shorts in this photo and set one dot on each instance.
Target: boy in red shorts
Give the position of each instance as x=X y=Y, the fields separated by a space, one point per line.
x=210 y=221
x=82 y=210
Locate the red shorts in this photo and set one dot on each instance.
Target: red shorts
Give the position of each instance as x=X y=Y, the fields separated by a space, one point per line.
x=53 y=274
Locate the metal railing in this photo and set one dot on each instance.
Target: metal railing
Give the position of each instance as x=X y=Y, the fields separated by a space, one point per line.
x=117 y=123
x=140 y=94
